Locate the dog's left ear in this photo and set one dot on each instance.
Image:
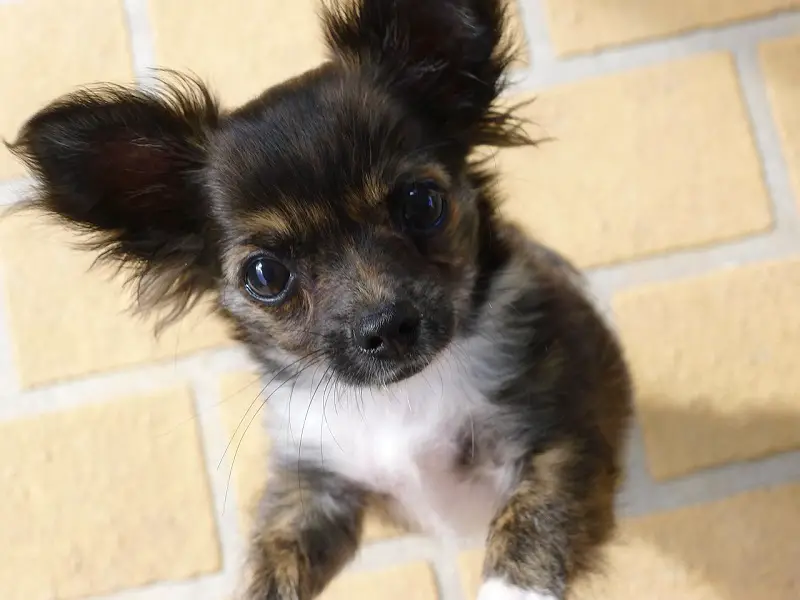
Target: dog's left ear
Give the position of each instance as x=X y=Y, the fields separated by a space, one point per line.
x=446 y=59
x=126 y=167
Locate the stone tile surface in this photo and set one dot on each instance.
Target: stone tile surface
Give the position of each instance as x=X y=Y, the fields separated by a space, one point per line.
x=714 y=361
x=104 y=497
x=578 y=26
x=779 y=60
x=70 y=320
x=633 y=149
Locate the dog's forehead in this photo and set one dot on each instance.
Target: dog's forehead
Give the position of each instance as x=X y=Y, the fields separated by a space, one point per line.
x=325 y=128
x=321 y=149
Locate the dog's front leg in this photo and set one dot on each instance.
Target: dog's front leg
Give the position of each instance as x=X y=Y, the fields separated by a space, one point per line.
x=550 y=529
x=309 y=528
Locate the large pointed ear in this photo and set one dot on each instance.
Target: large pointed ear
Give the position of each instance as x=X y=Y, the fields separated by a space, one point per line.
x=126 y=167
x=447 y=59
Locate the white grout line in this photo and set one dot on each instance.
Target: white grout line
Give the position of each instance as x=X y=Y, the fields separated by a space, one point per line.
x=680 y=264
x=141 y=40
x=9 y=381
x=534 y=23
x=137 y=379
x=711 y=484
x=637 y=482
x=13 y=191
x=449 y=577
x=763 y=124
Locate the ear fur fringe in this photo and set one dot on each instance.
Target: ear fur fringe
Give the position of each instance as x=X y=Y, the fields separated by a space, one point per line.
x=167 y=269
x=448 y=58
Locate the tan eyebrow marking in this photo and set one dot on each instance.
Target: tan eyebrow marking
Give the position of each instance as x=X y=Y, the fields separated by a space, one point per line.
x=291 y=219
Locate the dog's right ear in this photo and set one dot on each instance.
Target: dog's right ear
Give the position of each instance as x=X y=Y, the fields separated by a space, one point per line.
x=126 y=167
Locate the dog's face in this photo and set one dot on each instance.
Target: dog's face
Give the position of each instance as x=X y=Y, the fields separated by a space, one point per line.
x=344 y=230
x=337 y=215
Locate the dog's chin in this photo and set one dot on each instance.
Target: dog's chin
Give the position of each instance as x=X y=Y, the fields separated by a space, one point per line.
x=378 y=373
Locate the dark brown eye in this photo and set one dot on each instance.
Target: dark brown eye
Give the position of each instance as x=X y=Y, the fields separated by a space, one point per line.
x=266 y=279
x=423 y=206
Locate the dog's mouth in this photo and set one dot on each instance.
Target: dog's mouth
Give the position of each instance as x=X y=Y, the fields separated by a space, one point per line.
x=372 y=374
x=383 y=375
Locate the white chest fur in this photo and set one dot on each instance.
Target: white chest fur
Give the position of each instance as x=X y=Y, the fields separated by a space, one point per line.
x=404 y=441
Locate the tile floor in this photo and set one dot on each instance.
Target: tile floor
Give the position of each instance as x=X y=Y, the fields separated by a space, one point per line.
x=675 y=182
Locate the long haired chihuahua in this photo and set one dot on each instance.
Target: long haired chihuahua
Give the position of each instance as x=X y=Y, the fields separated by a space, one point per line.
x=439 y=365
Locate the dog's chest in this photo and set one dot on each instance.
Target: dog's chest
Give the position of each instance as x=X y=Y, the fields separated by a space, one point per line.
x=421 y=443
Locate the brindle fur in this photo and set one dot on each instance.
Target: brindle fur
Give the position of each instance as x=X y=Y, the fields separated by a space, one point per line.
x=310 y=527
x=182 y=192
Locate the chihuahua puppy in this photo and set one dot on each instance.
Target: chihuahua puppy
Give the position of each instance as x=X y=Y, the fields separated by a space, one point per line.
x=431 y=360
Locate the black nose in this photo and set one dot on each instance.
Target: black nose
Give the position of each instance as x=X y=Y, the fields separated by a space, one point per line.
x=389 y=332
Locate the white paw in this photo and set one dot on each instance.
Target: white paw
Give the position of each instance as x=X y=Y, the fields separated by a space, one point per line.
x=496 y=589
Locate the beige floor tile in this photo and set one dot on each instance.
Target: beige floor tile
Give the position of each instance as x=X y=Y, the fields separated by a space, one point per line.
x=243 y=395
x=46 y=57
x=739 y=548
x=408 y=582
x=715 y=364
x=578 y=26
x=636 y=169
x=238 y=46
x=67 y=321
x=780 y=60
x=104 y=497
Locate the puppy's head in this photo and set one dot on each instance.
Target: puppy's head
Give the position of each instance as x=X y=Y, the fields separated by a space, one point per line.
x=337 y=216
